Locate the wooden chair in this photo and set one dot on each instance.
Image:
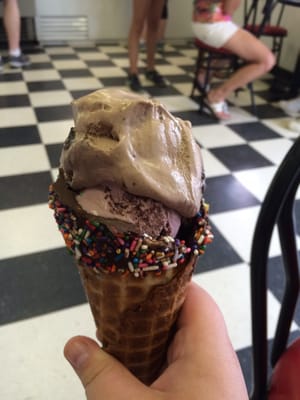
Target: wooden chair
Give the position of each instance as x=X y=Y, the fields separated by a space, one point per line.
x=277 y=209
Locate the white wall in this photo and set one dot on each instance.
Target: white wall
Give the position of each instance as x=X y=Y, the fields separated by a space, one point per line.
x=110 y=19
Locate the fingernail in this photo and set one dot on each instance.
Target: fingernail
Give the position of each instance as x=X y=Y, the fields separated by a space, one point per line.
x=77 y=352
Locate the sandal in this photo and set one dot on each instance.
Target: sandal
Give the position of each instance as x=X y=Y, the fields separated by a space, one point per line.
x=219 y=110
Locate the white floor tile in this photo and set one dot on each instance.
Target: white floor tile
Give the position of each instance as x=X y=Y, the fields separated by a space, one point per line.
x=104 y=72
x=180 y=61
x=239 y=116
x=113 y=49
x=124 y=62
x=256 y=180
x=28 y=230
x=23 y=159
x=38 y=58
x=92 y=55
x=41 y=75
x=238 y=228
x=82 y=83
x=216 y=135
x=60 y=50
x=20 y=116
x=54 y=173
x=55 y=132
x=69 y=64
x=184 y=88
x=35 y=367
x=170 y=70
x=11 y=88
x=192 y=53
x=50 y=98
x=243 y=99
x=282 y=126
x=178 y=103
x=230 y=288
x=273 y=150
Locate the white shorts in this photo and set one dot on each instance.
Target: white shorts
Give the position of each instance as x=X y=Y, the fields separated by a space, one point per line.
x=214 y=34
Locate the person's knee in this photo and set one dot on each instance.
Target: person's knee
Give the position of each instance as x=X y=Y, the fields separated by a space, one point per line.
x=269 y=61
x=153 y=25
x=137 y=27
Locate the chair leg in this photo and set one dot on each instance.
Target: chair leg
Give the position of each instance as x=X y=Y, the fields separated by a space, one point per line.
x=252 y=98
x=198 y=65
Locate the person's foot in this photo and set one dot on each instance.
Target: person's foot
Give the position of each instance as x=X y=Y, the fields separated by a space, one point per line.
x=134 y=83
x=19 y=61
x=156 y=78
x=218 y=109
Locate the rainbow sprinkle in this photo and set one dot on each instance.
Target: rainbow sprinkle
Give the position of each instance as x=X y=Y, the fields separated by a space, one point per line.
x=97 y=247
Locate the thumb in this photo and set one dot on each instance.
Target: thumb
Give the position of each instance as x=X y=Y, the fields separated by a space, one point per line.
x=102 y=375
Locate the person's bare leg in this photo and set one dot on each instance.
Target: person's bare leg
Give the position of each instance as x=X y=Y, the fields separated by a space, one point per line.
x=139 y=11
x=162 y=29
x=259 y=58
x=153 y=21
x=12 y=24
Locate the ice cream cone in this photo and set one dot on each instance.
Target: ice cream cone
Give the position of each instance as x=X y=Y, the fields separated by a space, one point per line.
x=135 y=317
x=129 y=203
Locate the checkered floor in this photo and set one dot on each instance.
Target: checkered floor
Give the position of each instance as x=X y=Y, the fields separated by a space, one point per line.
x=41 y=300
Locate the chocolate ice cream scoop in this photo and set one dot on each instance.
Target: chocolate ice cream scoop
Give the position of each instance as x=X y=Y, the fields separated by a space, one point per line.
x=134 y=143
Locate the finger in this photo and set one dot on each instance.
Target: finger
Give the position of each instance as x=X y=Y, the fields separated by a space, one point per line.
x=102 y=375
x=202 y=347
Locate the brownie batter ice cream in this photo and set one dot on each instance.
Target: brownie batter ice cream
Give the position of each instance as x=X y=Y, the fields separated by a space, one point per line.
x=129 y=204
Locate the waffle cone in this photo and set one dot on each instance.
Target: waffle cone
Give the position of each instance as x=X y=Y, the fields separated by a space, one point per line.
x=136 y=317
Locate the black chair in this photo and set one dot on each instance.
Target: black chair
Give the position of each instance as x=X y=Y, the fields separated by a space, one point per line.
x=266 y=21
x=215 y=63
x=277 y=209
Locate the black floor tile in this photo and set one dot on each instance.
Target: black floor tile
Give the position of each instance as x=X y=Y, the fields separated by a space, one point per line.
x=180 y=79
x=19 y=135
x=225 y=193
x=37 y=284
x=99 y=63
x=113 y=81
x=219 y=254
x=40 y=65
x=113 y=54
x=195 y=117
x=157 y=91
x=64 y=57
x=11 y=77
x=240 y=157
x=75 y=73
x=245 y=359
x=40 y=86
x=297 y=216
x=86 y=49
x=266 y=111
x=24 y=190
x=276 y=281
x=54 y=151
x=19 y=100
x=53 y=113
x=251 y=131
x=76 y=94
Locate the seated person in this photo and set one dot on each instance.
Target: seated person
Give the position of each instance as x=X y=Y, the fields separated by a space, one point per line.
x=212 y=25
